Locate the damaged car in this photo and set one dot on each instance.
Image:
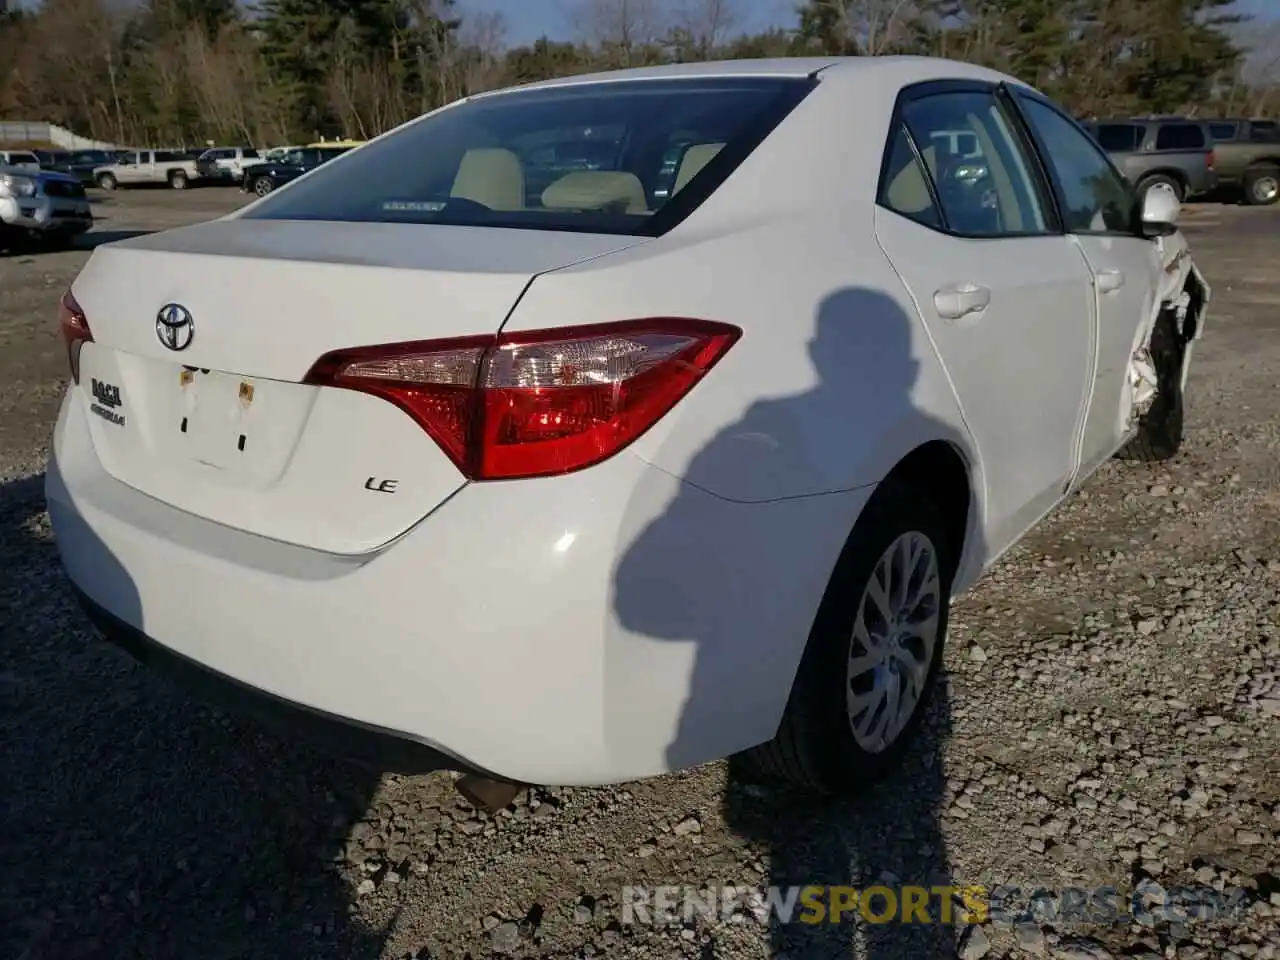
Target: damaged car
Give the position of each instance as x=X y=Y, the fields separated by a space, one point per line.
x=583 y=478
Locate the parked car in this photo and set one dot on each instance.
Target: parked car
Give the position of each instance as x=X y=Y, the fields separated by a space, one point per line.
x=1247 y=158
x=20 y=159
x=41 y=206
x=148 y=167
x=81 y=163
x=582 y=486
x=262 y=178
x=50 y=159
x=1172 y=152
x=225 y=164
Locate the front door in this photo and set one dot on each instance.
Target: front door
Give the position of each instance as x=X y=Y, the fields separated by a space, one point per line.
x=1005 y=295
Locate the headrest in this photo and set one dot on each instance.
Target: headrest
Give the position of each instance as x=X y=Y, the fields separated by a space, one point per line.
x=490 y=176
x=695 y=158
x=596 y=190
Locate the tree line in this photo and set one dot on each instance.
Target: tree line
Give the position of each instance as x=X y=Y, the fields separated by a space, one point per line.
x=184 y=72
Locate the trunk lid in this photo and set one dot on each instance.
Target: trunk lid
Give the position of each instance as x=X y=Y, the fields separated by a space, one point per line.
x=224 y=429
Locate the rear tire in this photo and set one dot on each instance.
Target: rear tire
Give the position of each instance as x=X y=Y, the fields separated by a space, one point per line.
x=106 y=181
x=178 y=180
x=816 y=747
x=1159 y=434
x=1262 y=185
x=1157 y=179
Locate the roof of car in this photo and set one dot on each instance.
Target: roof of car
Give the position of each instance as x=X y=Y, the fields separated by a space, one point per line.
x=903 y=69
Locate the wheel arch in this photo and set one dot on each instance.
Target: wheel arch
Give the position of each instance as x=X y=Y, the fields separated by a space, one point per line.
x=1172 y=173
x=939 y=470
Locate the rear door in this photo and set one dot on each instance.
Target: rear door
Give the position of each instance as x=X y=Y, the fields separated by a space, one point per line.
x=1004 y=294
x=1098 y=211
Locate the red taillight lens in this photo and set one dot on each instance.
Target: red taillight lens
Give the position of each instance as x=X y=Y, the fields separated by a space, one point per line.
x=536 y=404
x=74 y=327
x=1210 y=159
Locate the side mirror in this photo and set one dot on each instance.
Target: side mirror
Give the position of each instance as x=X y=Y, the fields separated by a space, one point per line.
x=1160 y=209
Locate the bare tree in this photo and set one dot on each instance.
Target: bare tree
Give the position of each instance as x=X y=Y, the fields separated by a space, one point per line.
x=709 y=23
x=1261 y=70
x=621 y=26
x=482 y=36
x=873 y=27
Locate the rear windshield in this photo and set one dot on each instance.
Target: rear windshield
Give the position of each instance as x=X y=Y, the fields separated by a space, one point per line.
x=23 y=158
x=615 y=157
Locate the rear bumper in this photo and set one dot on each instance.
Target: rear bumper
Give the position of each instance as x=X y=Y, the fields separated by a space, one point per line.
x=587 y=629
x=364 y=743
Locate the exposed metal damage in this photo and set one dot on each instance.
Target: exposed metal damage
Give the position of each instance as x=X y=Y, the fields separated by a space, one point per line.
x=1144 y=379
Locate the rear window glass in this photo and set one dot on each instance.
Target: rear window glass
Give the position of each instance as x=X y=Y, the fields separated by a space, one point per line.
x=169 y=156
x=1264 y=131
x=1180 y=136
x=612 y=157
x=23 y=158
x=1118 y=137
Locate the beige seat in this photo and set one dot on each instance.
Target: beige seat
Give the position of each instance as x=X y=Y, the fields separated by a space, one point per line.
x=908 y=192
x=596 y=190
x=695 y=158
x=490 y=176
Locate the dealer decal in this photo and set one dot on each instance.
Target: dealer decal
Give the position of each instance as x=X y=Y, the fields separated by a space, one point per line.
x=106 y=397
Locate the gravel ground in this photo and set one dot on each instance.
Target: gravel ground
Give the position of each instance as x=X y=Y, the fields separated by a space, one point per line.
x=1111 y=715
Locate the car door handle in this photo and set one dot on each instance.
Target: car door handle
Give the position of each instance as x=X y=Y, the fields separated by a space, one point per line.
x=961 y=299
x=1110 y=281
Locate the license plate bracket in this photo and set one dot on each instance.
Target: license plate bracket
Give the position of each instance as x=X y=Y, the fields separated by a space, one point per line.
x=217 y=416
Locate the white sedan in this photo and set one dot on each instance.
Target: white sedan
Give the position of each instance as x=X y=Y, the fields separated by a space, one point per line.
x=508 y=444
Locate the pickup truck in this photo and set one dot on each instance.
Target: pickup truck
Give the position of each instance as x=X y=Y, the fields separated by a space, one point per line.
x=1247 y=158
x=143 y=167
x=1171 y=151
x=41 y=206
x=225 y=164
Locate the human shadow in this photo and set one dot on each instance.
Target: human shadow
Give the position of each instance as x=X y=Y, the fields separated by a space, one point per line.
x=134 y=822
x=861 y=353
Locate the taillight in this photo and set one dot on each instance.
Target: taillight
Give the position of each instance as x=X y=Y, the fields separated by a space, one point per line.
x=1209 y=160
x=74 y=327
x=537 y=403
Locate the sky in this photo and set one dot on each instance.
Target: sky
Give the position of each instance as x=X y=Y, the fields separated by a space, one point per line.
x=529 y=19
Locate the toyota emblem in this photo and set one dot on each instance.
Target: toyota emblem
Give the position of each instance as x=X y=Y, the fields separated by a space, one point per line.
x=174 y=326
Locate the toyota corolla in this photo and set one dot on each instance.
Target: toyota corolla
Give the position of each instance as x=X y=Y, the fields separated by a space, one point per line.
x=463 y=452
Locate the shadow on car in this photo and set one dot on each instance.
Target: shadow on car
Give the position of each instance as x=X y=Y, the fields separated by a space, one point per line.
x=135 y=822
x=887 y=836
x=96 y=238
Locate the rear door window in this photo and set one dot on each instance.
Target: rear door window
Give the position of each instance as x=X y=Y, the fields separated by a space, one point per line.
x=1180 y=136
x=595 y=157
x=1118 y=137
x=1264 y=131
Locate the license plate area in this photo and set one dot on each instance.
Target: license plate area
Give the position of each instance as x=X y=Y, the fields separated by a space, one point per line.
x=220 y=418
